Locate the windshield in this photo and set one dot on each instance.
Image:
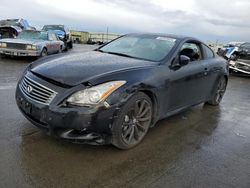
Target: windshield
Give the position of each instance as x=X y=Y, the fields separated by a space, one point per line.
x=27 y=35
x=53 y=27
x=148 y=48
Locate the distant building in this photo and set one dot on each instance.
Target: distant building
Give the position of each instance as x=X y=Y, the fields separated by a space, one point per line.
x=80 y=36
x=92 y=38
x=102 y=37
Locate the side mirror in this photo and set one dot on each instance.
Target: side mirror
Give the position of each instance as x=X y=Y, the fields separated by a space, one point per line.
x=184 y=60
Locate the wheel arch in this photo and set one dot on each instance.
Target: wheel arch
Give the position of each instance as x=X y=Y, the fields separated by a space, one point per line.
x=44 y=47
x=154 y=101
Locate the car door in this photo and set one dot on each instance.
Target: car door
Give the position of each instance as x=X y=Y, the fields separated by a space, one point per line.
x=56 y=42
x=212 y=70
x=53 y=43
x=187 y=82
x=50 y=45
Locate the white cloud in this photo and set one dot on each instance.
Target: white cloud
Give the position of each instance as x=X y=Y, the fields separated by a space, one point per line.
x=209 y=20
x=186 y=5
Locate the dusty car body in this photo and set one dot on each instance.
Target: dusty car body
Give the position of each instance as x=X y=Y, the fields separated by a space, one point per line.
x=240 y=66
x=242 y=52
x=31 y=43
x=10 y=28
x=227 y=50
x=235 y=50
x=239 y=59
x=63 y=34
x=115 y=93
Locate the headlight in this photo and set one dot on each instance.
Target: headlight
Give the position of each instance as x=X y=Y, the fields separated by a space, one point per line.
x=94 y=95
x=31 y=47
x=3 y=45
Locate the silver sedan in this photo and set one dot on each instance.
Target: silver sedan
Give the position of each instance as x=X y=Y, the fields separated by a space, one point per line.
x=32 y=43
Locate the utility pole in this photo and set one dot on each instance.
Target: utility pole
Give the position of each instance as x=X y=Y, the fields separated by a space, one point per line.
x=107 y=34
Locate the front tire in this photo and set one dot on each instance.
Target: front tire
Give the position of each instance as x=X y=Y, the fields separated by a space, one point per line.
x=133 y=122
x=44 y=52
x=219 y=92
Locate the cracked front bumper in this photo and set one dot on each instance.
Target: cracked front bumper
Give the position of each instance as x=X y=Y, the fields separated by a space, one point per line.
x=14 y=52
x=75 y=124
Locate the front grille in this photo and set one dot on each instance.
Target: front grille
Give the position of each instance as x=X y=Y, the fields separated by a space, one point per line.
x=16 y=46
x=36 y=91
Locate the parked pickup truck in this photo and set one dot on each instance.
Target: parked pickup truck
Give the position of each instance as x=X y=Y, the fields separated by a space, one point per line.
x=63 y=34
x=239 y=59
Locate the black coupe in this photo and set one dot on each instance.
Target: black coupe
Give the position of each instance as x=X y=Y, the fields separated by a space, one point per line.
x=115 y=93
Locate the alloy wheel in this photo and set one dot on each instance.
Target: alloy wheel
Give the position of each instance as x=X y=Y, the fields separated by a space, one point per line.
x=136 y=122
x=44 y=53
x=220 y=90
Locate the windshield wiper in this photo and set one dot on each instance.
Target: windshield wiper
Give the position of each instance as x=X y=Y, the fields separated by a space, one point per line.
x=114 y=53
x=120 y=54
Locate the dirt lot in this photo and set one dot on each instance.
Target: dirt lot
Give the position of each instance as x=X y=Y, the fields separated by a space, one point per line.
x=203 y=147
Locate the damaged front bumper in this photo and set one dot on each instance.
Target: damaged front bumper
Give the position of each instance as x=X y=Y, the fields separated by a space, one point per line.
x=90 y=125
x=240 y=66
x=15 y=52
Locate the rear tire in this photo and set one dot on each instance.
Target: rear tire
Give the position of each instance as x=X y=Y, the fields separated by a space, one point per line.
x=133 y=122
x=219 y=92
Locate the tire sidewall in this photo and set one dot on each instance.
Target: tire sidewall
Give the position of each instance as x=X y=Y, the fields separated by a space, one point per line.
x=44 y=50
x=213 y=100
x=117 y=125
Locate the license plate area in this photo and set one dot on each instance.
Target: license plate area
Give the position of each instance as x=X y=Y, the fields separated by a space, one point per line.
x=25 y=105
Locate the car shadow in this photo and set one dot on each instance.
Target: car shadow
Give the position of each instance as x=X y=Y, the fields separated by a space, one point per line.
x=46 y=158
x=10 y=59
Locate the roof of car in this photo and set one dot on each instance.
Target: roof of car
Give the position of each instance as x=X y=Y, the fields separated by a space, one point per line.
x=162 y=35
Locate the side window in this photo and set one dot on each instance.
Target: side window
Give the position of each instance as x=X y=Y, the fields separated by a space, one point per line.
x=208 y=53
x=191 y=50
x=52 y=37
x=56 y=37
x=26 y=23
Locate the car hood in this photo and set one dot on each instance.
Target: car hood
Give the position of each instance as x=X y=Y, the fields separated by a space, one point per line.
x=18 y=29
x=79 y=68
x=22 y=41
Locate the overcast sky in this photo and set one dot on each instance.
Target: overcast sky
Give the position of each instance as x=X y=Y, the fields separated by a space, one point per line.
x=225 y=20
